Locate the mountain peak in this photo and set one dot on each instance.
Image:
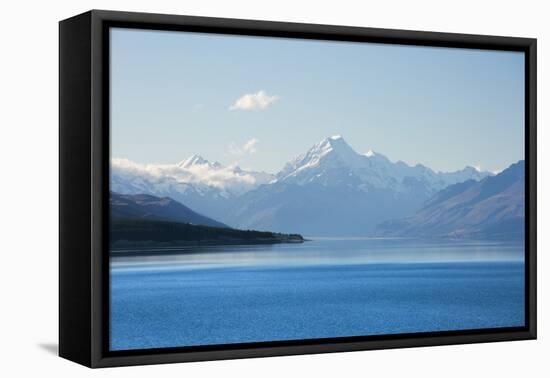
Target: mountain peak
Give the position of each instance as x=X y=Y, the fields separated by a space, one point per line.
x=193 y=160
x=335 y=140
x=333 y=147
x=333 y=143
x=330 y=150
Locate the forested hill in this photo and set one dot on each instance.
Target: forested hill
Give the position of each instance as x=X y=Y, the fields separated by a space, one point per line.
x=127 y=232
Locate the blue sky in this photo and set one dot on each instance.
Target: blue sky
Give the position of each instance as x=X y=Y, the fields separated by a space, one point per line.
x=175 y=94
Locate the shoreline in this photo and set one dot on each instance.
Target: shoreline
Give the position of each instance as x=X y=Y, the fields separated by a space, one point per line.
x=173 y=247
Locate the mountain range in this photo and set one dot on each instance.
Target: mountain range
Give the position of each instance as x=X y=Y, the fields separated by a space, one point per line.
x=493 y=208
x=203 y=186
x=333 y=190
x=329 y=190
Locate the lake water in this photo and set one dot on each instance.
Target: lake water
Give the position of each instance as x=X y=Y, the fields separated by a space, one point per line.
x=321 y=288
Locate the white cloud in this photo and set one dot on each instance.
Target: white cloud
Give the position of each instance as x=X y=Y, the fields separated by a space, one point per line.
x=254 y=101
x=171 y=176
x=249 y=148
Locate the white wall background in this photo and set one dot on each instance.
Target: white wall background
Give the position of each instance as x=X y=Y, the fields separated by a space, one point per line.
x=28 y=190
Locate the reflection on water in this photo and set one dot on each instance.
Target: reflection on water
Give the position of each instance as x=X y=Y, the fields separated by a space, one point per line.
x=318 y=251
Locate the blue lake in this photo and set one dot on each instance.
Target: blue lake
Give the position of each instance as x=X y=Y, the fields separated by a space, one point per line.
x=321 y=288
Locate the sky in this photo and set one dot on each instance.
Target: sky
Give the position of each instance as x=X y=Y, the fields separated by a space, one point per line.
x=261 y=101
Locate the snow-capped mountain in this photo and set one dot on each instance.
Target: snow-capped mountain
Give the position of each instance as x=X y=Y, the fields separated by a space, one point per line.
x=333 y=190
x=202 y=185
x=197 y=160
x=334 y=158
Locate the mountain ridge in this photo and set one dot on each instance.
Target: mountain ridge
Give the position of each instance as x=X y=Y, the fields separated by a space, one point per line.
x=149 y=207
x=491 y=208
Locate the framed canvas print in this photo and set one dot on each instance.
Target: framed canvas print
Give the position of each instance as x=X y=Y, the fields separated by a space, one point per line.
x=234 y=188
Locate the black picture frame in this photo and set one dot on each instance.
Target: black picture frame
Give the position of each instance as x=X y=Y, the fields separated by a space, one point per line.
x=84 y=186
